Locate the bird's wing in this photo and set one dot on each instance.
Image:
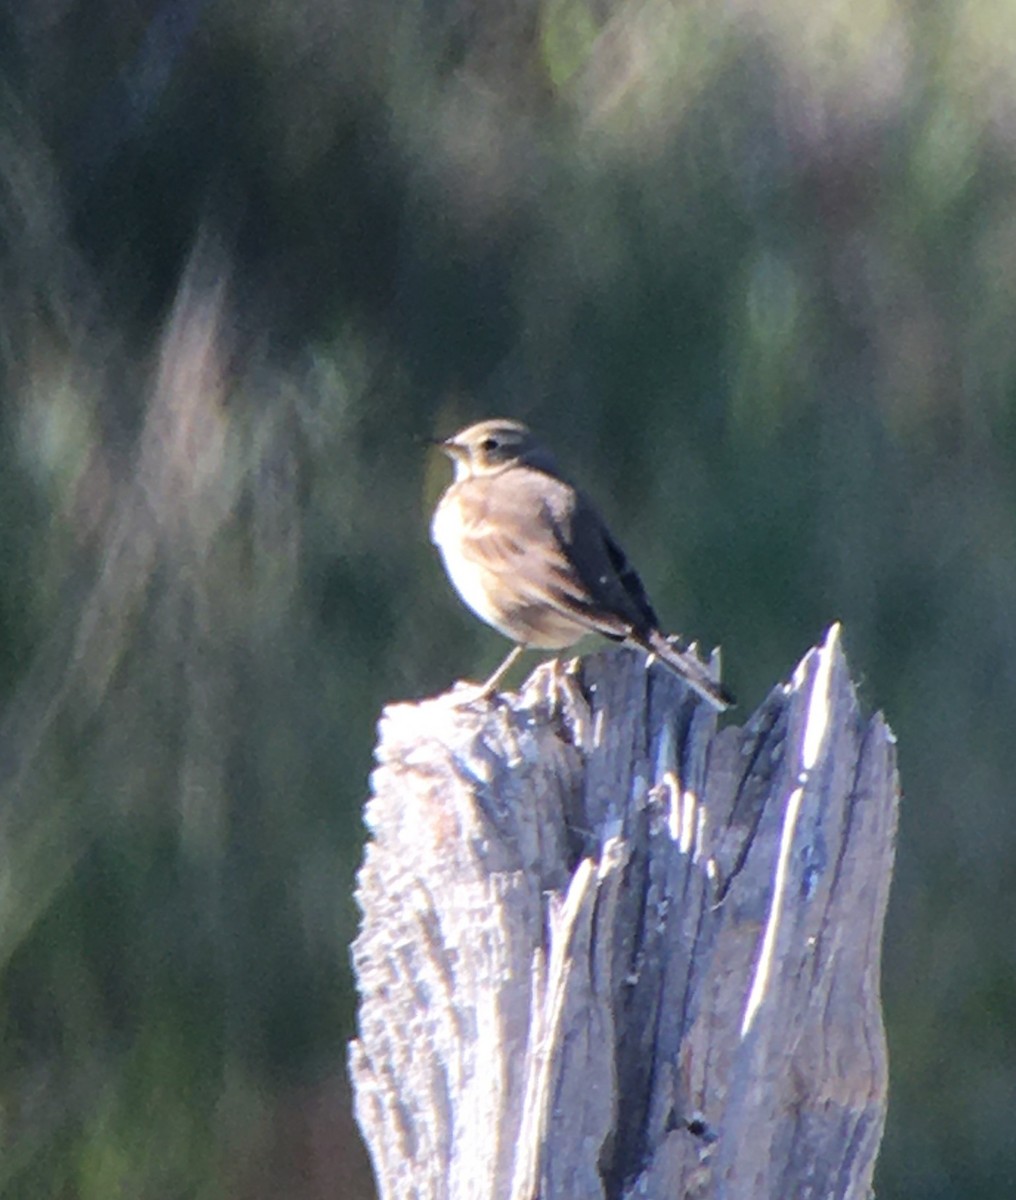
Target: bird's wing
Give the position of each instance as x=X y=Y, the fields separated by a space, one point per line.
x=550 y=546
x=607 y=575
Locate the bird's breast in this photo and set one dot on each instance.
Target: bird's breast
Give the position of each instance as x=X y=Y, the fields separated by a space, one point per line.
x=469 y=578
x=509 y=601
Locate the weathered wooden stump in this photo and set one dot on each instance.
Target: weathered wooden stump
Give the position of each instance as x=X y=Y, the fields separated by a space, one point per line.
x=608 y=951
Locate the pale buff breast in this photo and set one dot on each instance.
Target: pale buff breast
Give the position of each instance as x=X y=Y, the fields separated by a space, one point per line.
x=509 y=604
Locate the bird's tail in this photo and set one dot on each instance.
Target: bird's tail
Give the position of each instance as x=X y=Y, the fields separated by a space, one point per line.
x=687 y=666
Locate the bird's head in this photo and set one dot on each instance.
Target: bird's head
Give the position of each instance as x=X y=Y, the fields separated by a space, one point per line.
x=490 y=446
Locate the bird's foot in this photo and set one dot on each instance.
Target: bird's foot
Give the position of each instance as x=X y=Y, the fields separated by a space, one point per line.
x=464 y=692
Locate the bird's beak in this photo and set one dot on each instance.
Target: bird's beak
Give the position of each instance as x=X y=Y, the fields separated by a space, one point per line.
x=451 y=447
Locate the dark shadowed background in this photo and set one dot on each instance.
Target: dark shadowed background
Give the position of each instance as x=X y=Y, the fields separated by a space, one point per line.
x=750 y=268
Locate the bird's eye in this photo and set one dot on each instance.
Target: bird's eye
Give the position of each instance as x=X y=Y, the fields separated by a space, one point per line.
x=488 y=444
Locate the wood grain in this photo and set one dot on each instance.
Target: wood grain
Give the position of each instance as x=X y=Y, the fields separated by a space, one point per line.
x=608 y=950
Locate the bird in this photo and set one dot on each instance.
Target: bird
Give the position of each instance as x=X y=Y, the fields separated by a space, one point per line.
x=530 y=554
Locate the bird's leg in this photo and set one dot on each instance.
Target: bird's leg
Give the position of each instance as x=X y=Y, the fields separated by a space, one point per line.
x=490 y=686
x=468 y=693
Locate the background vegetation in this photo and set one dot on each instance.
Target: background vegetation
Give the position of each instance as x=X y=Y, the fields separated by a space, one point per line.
x=750 y=267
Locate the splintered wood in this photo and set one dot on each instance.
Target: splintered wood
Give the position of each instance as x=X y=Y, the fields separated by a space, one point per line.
x=610 y=951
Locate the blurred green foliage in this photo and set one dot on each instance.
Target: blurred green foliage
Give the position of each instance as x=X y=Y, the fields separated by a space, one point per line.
x=750 y=268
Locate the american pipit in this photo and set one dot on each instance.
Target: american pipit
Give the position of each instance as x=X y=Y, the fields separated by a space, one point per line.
x=530 y=555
